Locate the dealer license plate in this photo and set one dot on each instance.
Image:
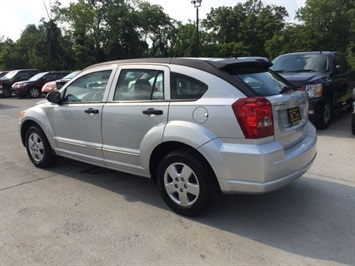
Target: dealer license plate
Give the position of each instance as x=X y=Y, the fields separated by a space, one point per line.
x=294 y=115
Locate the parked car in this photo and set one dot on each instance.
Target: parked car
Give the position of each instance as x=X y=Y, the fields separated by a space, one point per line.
x=57 y=84
x=353 y=113
x=32 y=87
x=3 y=73
x=195 y=126
x=326 y=77
x=13 y=76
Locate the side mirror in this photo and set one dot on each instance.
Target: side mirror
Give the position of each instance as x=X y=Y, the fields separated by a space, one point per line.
x=339 y=69
x=54 y=97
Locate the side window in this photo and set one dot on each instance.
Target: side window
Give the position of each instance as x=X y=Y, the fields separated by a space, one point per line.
x=340 y=63
x=49 y=77
x=60 y=75
x=185 y=87
x=24 y=76
x=140 y=84
x=88 y=88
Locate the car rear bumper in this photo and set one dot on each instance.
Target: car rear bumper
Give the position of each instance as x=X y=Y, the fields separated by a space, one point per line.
x=263 y=168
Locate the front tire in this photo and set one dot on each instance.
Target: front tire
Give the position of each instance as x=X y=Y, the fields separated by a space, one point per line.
x=6 y=92
x=184 y=183
x=34 y=92
x=39 y=149
x=324 y=120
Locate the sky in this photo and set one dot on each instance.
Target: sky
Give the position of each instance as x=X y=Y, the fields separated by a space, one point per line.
x=17 y=14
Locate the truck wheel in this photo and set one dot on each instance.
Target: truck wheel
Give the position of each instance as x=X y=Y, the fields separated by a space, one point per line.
x=353 y=124
x=324 y=121
x=184 y=183
x=33 y=92
x=6 y=92
x=39 y=149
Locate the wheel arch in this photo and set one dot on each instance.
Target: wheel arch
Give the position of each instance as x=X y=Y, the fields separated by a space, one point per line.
x=166 y=147
x=47 y=130
x=24 y=128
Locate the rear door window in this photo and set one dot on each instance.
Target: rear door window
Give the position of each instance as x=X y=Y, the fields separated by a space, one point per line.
x=140 y=84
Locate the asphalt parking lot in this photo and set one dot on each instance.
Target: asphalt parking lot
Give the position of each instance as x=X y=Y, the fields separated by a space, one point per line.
x=77 y=214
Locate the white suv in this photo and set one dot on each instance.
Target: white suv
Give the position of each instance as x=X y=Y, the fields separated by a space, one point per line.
x=195 y=126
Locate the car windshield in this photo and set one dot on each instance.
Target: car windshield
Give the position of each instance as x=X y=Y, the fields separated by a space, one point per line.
x=10 y=75
x=301 y=63
x=71 y=75
x=38 y=76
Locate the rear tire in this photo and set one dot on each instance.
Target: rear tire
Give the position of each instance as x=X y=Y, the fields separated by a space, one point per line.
x=353 y=124
x=185 y=183
x=39 y=149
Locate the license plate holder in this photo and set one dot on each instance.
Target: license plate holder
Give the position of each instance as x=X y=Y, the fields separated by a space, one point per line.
x=294 y=115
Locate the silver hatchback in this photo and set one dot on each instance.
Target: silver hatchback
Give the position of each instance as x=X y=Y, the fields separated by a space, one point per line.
x=195 y=126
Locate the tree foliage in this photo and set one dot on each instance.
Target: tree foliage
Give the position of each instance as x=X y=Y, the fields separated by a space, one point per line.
x=92 y=31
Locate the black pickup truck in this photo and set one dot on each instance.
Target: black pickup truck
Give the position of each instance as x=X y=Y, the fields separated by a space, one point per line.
x=326 y=77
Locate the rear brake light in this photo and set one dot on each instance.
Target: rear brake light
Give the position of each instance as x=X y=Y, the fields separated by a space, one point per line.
x=254 y=116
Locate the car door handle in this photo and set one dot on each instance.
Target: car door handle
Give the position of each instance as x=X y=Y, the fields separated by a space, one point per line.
x=152 y=111
x=91 y=111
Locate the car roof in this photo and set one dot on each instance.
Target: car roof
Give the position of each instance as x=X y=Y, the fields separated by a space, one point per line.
x=310 y=52
x=199 y=63
x=210 y=65
x=55 y=71
x=25 y=69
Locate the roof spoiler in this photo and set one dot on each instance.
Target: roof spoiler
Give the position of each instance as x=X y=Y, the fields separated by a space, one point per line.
x=232 y=63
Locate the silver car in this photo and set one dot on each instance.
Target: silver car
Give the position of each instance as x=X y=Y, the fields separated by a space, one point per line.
x=195 y=126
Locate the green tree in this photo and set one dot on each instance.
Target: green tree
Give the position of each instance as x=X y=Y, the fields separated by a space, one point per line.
x=82 y=29
x=19 y=54
x=155 y=27
x=121 y=37
x=243 y=29
x=329 y=25
x=183 y=40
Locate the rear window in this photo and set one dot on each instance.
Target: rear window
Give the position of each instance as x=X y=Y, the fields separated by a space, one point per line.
x=261 y=81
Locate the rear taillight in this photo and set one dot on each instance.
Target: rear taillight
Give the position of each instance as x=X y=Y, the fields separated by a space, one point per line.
x=0 y=81
x=254 y=116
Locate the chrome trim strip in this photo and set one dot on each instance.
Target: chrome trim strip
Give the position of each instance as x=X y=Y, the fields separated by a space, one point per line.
x=96 y=147
x=71 y=143
x=121 y=152
x=78 y=144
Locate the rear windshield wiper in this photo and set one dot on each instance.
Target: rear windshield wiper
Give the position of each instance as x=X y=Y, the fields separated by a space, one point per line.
x=287 y=89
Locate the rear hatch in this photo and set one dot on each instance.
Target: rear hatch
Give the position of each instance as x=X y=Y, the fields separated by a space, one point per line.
x=290 y=115
x=289 y=106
